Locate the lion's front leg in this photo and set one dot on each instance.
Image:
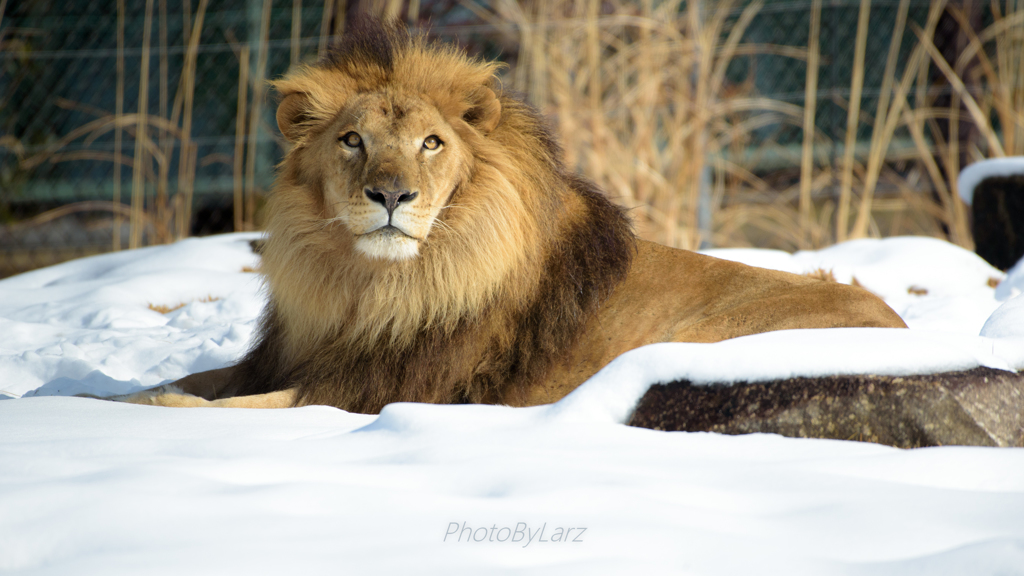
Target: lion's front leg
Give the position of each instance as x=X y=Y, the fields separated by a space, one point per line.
x=167 y=395
x=210 y=389
x=194 y=390
x=172 y=396
x=210 y=385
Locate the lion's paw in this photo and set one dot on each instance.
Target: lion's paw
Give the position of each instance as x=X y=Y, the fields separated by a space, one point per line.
x=167 y=395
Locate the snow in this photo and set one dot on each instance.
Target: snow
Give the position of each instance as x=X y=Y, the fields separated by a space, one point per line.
x=1013 y=285
x=90 y=487
x=86 y=326
x=974 y=174
x=1005 y=323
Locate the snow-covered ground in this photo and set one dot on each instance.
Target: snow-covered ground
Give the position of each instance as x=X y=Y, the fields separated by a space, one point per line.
x=91 y=487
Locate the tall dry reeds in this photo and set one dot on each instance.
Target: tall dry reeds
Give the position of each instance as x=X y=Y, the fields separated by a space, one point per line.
x=644 y=106
x=155 y=215
x=141 y=129
x=118 y=118
x=993 y=65
x=642 y=99
x=642 y=94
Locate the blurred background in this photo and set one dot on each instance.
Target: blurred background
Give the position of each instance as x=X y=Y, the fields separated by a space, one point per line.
x=776 y=124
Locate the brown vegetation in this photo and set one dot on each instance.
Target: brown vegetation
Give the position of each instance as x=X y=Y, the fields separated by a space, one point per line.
x=641 y=98
x=165 y=309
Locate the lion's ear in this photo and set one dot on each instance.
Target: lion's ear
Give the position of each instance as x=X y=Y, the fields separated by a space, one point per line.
x=293 y=116
x=485 y=113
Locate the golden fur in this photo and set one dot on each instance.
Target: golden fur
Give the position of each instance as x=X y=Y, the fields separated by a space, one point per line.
x=476 y=270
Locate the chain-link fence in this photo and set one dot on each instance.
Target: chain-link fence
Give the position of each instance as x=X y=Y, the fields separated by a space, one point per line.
x=82 y=172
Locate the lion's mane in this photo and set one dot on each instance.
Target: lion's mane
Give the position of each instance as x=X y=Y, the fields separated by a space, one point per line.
x=515 y=265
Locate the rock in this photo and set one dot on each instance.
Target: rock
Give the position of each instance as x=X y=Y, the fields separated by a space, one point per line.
x=979 y=407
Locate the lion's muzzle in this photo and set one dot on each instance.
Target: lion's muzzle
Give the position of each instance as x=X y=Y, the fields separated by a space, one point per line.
x=389 y=199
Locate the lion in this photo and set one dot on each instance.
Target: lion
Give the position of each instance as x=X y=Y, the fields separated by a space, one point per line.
x=425 y=243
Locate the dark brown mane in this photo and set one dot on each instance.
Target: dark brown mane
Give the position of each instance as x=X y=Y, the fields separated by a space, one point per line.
x=368 y=40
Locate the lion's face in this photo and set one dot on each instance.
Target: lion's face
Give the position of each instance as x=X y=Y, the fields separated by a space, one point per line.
x=418 y=206
x=389 y=163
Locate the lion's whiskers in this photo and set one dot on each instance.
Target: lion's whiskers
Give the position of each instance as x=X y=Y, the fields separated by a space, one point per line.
x=324 y=223
x=473 y=211
x=328 y=221
x=438 y=223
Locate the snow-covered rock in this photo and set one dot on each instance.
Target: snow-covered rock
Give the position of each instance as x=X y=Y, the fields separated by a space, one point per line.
x=1007 y=321
x=973 y=174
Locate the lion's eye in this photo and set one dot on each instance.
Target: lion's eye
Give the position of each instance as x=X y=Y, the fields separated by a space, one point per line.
x=351 y=139
x=432 y=143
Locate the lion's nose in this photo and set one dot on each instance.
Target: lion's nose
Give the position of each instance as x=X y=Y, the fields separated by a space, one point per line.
x=390 y=199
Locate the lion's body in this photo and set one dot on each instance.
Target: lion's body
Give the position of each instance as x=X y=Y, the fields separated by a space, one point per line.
x=426 y=244
x=672 y=295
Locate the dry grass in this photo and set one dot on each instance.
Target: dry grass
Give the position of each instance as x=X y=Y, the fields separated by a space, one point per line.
x=643 y=104
x=164 y=309
x=645 y=107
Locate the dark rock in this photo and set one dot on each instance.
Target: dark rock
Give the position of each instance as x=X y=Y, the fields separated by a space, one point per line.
x=998 y=220
x=979 y=407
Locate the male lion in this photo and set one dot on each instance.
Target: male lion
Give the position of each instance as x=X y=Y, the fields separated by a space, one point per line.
x=425 y=243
